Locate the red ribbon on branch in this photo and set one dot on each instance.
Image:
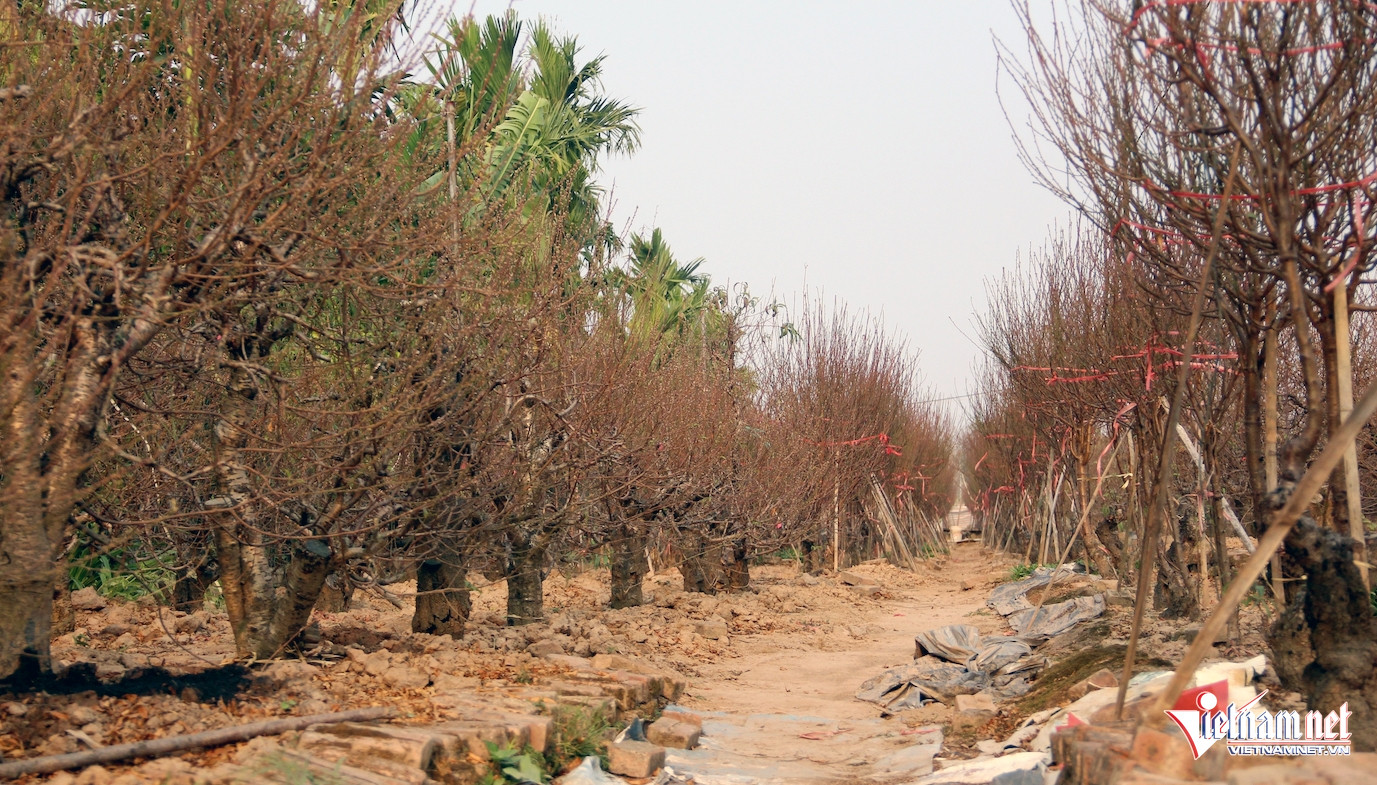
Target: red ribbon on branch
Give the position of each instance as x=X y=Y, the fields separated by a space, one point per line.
x=882 y=438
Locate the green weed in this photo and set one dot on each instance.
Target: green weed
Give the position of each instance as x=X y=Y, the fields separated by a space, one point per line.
x=1021 y=571
x=579 y=733
x=1257 y=595
x=215 y=596
x=509 y=765
x=122 y=573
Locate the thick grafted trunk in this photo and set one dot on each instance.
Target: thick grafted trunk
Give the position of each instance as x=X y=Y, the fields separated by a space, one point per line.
x=629 y=566
x=1096 y=554
x=443 y=603
x=189 y=591
x=336 y=594
x=1336 y=507
x=27 y=577
x=736 y=568
x=1326 y=644
x=265 y=621
x=700 y=562
x=39 y=474
x=245 y=579
x=26 y=611
x=292 y=610
x=27 y=569
x=525 y=582
x=1177 y=593
x=64 y=615
x=811 y=553
x=1107 y=531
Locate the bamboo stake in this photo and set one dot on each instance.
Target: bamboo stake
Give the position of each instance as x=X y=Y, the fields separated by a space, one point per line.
x=1085 y=519
x=1352 y=490
x=887 y=512
x=1269 y=430
x=836 y=511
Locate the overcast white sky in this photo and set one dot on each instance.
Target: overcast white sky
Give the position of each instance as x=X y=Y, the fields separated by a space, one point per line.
x=857 y=147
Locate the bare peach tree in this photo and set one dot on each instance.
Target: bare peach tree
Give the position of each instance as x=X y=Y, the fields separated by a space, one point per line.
x=168 y=166
x=1241 y=131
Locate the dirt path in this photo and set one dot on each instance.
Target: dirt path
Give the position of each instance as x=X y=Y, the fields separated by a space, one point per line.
x=791 y=674
x=785 y=685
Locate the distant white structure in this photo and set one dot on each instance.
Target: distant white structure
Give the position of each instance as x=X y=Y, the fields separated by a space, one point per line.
x=960 y=521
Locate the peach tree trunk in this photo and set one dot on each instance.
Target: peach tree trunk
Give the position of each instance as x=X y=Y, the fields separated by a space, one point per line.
x=442 y=597
x=525 y=580
x=629 y=566
x=42 y=459
x=701 y=560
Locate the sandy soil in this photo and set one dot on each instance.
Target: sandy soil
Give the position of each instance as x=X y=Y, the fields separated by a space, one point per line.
x=817 y=673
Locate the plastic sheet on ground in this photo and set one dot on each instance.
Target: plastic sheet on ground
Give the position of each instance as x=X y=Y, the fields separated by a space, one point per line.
x=668 y=776
x=985 y=769
x=633 y=732
x=927 y=679
x=589 y=772
x=953 y=643
x=1010 y=687
x=954 y=660
x=1052 y=620
x=1009 y=597
x=998 y=652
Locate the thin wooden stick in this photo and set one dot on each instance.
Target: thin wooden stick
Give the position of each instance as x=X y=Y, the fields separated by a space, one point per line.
x=1071 y=543
x=1315 y=478
x=153 y=748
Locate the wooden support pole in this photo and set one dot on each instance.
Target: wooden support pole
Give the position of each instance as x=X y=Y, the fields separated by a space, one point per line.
x=1269 y=430
x=1352 y=489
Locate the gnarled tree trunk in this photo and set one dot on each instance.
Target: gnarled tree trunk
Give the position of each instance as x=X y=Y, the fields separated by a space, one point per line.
x=443 y=603
x=1177 y=597
x=42 y=457
x=264 y=621
x=525 y=581
x=189 y=591
x=337 y=593
x=1326 y=644
x=700 y=561
x=629 y=566
x=736 y=567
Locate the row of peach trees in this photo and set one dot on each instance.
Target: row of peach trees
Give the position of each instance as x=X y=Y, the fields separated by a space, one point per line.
x=288 y=308
x=1162 y=372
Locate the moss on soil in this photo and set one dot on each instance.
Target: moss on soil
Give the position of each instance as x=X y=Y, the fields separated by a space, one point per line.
x=1050 y=688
